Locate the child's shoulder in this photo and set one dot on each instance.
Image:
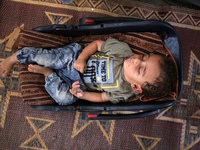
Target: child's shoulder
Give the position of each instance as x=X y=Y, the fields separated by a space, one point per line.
x=112 y=45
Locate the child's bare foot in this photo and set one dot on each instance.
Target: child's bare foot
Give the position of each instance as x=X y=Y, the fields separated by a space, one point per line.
x=39 y=69
x=7 y=64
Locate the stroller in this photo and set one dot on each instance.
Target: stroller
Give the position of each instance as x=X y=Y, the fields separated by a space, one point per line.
x=110 y=25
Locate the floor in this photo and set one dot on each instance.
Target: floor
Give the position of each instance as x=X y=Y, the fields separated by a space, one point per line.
x=194 y=4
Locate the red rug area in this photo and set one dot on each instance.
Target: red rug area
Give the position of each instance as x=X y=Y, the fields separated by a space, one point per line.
x=22 y=127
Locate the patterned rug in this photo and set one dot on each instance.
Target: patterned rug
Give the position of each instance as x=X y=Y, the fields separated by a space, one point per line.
x=22 y=127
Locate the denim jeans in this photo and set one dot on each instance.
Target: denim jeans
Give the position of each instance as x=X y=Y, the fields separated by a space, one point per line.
x=61 y=60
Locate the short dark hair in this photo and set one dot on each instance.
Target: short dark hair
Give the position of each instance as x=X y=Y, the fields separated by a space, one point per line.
x=165 y=83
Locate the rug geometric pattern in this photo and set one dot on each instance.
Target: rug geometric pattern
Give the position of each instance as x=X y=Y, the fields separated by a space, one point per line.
x=147 y=142
x=58 y=18
x=106 y=6
x=6 y=88
x=38 y=126
x=185 y=113
x=187 y=108
x=106 y=127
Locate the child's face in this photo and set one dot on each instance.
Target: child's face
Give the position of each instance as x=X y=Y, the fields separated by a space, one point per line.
x=139 y=69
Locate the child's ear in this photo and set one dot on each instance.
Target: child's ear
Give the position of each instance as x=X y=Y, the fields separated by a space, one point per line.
x=137 y=88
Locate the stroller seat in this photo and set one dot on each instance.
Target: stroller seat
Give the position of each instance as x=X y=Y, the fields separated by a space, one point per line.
x=88 y=30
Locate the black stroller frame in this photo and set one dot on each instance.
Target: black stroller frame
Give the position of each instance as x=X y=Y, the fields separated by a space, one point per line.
x=109 y=25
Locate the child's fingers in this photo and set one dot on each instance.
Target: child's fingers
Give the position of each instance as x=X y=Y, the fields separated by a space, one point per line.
x=75 y=83
x=75 y=87
x=78 y=93
x=74 y=92
x=71 y=91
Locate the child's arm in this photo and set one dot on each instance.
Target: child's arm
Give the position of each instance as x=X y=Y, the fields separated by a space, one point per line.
x=89 y=96
x=80 y=63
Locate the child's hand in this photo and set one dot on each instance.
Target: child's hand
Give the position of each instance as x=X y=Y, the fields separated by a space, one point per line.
x=76 y=91
x=80 y=65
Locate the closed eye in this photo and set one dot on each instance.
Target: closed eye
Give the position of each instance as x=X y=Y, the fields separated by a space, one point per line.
x=139 y=69
x=144 y=58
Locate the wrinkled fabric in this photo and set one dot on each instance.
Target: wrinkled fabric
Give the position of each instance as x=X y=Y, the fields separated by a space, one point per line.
x=61 y=60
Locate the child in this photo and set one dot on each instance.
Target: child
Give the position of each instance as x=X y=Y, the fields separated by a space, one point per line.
x=109 y=67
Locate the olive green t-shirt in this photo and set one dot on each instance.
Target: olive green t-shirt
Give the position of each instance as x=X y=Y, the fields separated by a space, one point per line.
x=105 y=71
